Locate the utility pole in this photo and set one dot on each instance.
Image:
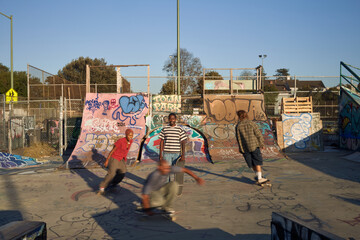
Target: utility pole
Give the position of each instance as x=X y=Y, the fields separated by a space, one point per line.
x=11 y=42
x=178 y=47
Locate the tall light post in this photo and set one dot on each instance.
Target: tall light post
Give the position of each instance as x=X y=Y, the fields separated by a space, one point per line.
x=178 y=48
x=262 y=59
x=173 y=72
x=262 y=56
x=11 y=40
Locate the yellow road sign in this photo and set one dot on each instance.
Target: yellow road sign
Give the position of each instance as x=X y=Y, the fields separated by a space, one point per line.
x=11 y=95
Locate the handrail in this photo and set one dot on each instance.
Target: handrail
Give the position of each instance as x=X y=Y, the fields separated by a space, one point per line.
x=357 y=78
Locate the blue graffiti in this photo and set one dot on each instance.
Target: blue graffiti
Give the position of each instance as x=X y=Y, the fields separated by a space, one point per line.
x=93 y=104
x=131 y=107
x=299 y=131
x=11 y=161
x=349 y=118
x=105 y=104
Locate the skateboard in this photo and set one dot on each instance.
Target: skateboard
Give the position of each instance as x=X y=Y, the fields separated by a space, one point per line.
x=266 y=183
x=155 y=212
x=179 y=177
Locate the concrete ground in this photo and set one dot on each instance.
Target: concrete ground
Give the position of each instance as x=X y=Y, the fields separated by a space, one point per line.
x=320 y=188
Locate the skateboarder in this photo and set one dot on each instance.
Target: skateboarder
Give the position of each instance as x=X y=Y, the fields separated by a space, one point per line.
x=157 y=192
x=116 y=161
x=172 y=147
x=250 y=141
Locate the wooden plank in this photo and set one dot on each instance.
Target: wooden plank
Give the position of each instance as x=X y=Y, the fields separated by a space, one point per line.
x=280 y=134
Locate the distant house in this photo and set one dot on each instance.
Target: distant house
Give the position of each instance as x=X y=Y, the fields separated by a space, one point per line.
x=286 y=88
x=316 y=85
x=279 y=84
x=289 y=85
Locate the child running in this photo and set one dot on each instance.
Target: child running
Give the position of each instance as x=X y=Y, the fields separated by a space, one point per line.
x=116 y=161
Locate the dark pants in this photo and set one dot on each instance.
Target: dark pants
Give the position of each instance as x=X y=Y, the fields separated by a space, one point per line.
x=116 y=173
x=253 y=158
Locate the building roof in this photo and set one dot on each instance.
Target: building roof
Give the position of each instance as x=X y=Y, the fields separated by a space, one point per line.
x=286 y=85
x=301 y=83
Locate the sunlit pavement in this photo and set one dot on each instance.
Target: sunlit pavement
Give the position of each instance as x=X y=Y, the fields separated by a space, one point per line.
x=320 y=188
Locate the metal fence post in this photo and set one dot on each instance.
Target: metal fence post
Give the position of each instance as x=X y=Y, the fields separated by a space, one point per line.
x=9 y=128
x=61 y=150
x=65 y=124
x=3 y=120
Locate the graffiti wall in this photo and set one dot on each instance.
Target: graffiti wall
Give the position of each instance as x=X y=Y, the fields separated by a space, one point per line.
x=105 y=119
x=212 y=136
x=349 y=120
x=222 y=109
x=8 y=160
x=166 y=103
x=196 y=144
x=221 y=119
x=301 y=132
x=285 y=227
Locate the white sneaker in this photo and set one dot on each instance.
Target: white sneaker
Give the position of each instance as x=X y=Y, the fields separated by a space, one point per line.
x=169 y=210
x=263 y=180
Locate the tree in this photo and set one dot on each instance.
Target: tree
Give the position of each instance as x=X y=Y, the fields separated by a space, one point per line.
x=282 y=72
x=213 y=75
x=167 y=88
x=20 y=81
x=247 y=75
x=75 y=71
x=190 y=67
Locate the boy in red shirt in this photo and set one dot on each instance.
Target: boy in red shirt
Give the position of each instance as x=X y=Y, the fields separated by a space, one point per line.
x=116 y=161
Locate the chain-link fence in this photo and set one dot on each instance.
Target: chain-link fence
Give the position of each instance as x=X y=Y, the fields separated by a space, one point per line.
x=3 y=128
x=26 y=124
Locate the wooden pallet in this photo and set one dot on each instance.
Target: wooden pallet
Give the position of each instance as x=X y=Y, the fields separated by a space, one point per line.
x=297 y=105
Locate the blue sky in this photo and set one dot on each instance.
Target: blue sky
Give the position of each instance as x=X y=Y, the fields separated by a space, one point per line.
x=309 y=37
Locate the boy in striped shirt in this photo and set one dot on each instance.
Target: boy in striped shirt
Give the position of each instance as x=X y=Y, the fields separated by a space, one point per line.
x=172 y=142
x=172 y=146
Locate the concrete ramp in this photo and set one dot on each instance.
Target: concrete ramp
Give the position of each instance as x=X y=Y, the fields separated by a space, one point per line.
x=212 y=136
x=349 y=119
x=105 y=118
x=8 y=160
x=221 y=119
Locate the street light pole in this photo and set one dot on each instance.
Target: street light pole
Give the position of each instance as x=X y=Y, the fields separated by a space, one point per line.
x=11 y=40
x=262 y=56
x=262 y=59
x=178 y=48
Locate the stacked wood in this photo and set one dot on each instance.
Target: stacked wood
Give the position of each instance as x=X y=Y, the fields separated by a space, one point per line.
x=297 y=105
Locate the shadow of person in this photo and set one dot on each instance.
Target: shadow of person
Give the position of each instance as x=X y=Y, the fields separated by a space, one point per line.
x=8 y=216
x=241 y=179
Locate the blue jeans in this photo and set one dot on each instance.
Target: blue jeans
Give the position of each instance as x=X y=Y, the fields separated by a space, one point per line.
x=170 y=157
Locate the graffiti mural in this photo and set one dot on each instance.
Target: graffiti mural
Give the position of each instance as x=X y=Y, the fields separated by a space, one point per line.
x=105 y=119
x=17 y=128
x=196 y=149
x=194 y=121
x=285 y=226
x=266 y=131
x=222 y=109
x=302 y=132
x=217 y=127
x=14 y=161
x=349 y=120
x=166 y=103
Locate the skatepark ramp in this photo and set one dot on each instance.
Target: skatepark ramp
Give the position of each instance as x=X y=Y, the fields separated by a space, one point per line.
x=349 y=108
x=106 y=116
x=8 y=160
x=210 y=136
x=287 y=227
x=349 y=119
